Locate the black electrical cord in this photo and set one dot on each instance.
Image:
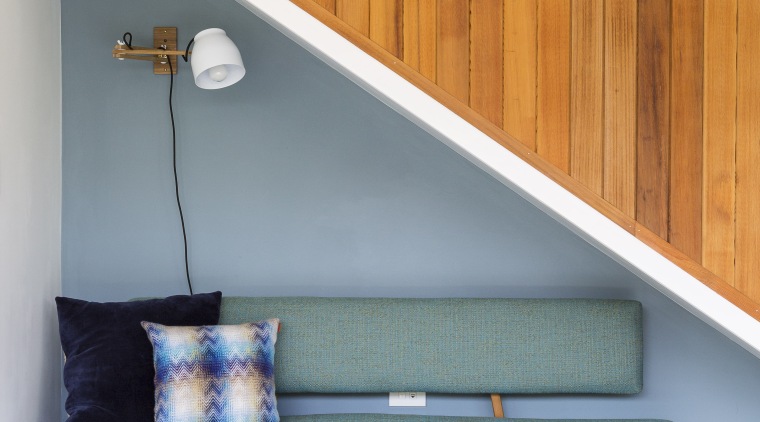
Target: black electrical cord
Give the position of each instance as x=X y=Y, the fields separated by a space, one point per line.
x=187 y=50
x=128 y=43
x=176 y=180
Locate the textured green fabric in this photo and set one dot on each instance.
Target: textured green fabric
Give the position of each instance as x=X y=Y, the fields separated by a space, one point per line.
x=507 y=346
x=372 y=417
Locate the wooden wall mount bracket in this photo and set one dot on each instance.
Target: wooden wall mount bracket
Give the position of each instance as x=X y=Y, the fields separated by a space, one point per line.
x=165 y=37
x=164 y=49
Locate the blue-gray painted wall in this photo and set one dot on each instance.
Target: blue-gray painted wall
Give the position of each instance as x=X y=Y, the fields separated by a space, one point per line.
x=297 y=182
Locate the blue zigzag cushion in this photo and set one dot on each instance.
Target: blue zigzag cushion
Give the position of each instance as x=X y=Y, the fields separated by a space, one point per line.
x=222 y=373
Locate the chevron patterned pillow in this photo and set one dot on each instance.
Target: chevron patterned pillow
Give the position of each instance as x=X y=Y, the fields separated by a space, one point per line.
x=222 y=373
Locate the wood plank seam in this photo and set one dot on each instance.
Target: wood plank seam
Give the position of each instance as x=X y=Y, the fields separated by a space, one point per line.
x=587 y=110
x=747 y=241
x=603 y=108
x=619 y=161
x=486 y=44
x=719 y=140
x=553 y=83
x=653 y=121
x=687 y=97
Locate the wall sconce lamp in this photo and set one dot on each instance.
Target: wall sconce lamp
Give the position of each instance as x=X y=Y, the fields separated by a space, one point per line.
x=216 y=63
x=215 y=59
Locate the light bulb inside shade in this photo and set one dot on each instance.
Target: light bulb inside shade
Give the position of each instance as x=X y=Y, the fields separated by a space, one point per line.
x=218 y=73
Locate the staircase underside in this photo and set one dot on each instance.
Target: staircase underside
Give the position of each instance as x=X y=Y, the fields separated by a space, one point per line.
x=508 y=160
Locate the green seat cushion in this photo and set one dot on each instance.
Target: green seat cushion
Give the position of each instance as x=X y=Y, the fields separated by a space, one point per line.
x=458 y=346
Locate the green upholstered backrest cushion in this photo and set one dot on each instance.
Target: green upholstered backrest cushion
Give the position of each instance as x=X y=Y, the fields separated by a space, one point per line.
x=373 y=345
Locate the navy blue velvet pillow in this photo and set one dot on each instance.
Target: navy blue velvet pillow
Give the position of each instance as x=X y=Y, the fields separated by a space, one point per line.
x=109 y=359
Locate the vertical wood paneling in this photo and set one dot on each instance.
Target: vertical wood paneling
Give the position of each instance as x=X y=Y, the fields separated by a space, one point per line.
x=385 y=20
x=586 y=93
x=486 y=67
x=748 y=151
x=355 y=13
x=411 y=33
x=719 y=140
x=685 y=230
x=329 y=5
x=553 y=82
x=620 y=105
x=420 y=36
x=520 y=63
x=453 y=49
x=653 y=138
x=428 y=33
x=651 y=104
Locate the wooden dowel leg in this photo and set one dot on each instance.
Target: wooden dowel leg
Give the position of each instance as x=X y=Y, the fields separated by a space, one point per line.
x=498 y=409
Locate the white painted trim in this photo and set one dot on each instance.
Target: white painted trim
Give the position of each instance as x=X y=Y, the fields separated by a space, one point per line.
x=506 y=167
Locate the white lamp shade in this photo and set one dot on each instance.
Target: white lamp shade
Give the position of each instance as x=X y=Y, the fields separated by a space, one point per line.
x=216 y=61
